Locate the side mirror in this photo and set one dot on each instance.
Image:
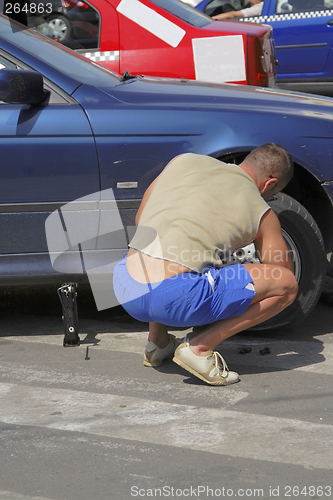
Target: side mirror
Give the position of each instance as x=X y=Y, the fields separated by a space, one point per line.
x=21 y=87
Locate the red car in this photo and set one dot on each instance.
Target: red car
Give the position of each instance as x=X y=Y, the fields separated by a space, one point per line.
x=167 y=38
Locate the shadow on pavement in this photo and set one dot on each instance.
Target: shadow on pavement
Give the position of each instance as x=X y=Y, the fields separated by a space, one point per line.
x=37 y=311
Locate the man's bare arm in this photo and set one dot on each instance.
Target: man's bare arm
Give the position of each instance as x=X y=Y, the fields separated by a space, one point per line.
x=229 y=15
x=270 y=244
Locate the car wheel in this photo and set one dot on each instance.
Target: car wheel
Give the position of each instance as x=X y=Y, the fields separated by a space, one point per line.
x=306 y=246
x=58 y=27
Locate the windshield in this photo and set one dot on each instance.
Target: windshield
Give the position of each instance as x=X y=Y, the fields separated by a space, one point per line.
x=55 y=55
x=185 y=12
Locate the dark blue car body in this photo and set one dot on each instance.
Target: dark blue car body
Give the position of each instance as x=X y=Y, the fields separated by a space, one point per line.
x=303 y=35
x=96 y=133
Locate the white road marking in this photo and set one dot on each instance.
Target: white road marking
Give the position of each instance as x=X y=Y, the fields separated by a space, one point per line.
x=175 y=392
x=10 y=495
x=218 y=431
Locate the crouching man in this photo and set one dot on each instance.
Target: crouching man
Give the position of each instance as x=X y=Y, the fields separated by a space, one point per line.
x=193 y=214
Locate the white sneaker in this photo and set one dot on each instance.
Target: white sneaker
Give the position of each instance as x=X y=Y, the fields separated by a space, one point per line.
x=154 y=356
x=211 y=369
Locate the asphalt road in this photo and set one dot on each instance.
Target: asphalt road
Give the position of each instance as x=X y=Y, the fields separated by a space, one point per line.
x=92 y=423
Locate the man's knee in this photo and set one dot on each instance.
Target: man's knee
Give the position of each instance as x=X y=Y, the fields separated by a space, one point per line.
x=282 y=284
x=289 y=286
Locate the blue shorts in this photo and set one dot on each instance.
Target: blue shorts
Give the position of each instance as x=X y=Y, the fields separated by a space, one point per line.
x=187 y=299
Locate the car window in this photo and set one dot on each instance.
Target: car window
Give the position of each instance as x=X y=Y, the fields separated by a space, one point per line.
x=285 y=6
x=73 y=23
x=6 y=64
x=185 y=12
x=56 y=56
x=57 y=96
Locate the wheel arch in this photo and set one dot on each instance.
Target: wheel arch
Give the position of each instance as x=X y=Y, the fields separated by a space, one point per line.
x=307 y=190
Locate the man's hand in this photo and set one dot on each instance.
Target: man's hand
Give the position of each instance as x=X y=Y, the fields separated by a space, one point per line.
x=270 y=244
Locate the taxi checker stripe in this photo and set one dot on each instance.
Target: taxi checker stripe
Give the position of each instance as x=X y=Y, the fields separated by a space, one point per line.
x=102 y=56
x=288 y=16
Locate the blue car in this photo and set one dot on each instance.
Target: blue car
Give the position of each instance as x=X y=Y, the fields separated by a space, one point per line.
x=75 y=137
x=303 y=34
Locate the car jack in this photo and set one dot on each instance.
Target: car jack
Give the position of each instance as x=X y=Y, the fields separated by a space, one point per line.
x=67 y=294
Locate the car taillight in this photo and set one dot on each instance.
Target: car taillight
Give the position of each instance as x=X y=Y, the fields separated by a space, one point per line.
x=256 y=64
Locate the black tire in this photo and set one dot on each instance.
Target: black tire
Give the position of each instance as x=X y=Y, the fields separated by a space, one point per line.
x=304 y=238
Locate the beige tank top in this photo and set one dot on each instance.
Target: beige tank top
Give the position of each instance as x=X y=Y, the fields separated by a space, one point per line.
x=199 y=212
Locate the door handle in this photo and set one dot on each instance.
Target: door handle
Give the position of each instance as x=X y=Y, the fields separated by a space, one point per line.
x=330 y=23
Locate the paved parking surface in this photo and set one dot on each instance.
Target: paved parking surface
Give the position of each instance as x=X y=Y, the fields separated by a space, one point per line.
x=91 y=422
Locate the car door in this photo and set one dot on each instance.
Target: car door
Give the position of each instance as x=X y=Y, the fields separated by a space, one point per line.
x=303 y=38
x=48 y=157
